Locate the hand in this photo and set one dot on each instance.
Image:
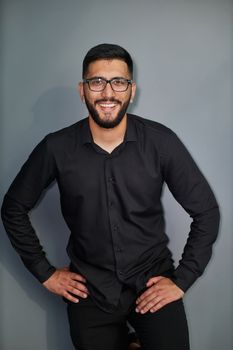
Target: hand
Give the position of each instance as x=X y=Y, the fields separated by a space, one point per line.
x=134 y=346
x=161 y=291
x=63 y=282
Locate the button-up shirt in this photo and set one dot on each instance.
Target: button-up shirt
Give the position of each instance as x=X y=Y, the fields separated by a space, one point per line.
x=111 y=203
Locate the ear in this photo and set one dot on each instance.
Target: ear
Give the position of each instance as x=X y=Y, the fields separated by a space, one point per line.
x=80 y=89
x=134 y=87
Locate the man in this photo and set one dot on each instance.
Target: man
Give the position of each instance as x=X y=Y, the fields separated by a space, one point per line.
x=110 y=169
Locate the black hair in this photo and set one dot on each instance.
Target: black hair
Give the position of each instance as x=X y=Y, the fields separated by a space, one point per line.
x=107 y=52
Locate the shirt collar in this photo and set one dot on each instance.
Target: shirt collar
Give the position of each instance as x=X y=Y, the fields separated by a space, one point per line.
x=130 y=135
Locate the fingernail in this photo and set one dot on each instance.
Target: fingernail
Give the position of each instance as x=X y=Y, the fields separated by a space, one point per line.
x=137 y=310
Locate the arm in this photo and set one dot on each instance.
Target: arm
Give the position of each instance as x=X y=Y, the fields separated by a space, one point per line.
x=191 y=190
x=35 y=175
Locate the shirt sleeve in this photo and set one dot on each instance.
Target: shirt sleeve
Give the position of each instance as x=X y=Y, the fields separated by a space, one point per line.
x=192 y=191
x=35 y=175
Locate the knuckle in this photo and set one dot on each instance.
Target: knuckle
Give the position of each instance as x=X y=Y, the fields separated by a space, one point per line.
x=162 y=303
x=72 y=275
x=73 y=290
x=66 y=295
x=69 y=297
x=142 y=303
x=74 y=284
x=78 y=277
x=81 y=287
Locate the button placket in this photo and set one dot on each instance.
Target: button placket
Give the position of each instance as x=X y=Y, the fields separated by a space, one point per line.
x=114 y=228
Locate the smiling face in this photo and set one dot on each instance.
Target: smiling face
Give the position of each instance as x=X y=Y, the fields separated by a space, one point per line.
x=107 y=108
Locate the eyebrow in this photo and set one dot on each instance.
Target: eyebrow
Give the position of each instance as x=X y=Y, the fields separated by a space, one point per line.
x=101 y=77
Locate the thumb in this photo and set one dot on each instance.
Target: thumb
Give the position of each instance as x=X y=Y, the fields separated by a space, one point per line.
x=154 y=280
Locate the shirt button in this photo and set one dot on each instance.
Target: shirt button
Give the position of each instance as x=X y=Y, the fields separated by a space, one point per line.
x=110 y=203
x=118 y=249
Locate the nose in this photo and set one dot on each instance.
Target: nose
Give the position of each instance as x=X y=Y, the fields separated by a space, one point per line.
x=108 y=91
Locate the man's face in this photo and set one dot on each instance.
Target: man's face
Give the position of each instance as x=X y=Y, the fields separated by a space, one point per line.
x=107 y=108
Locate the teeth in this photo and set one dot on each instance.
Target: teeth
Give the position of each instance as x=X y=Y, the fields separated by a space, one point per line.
x=110 y=105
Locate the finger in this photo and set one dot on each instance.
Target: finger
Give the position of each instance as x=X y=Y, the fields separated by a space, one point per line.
x=69 y=297
x=78 y=277
x=146 y=294
x=162 y=293
x=159 y=305
x=165 y=300
x=148 y=302
x=74 y=275
x=147 y=299
x=76 y=291
x=154 y=280
x=79 y=286
x=149 y=305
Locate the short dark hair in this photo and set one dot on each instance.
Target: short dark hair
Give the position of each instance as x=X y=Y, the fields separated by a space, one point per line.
x=107 y=52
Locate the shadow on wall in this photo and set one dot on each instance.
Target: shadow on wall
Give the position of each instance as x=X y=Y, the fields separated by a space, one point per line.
x=55 y=109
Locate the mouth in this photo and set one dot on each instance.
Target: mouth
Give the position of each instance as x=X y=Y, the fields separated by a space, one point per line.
x=107 y=106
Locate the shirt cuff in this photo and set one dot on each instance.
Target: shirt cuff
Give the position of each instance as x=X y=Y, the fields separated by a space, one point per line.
x=183 y=278
x=42 y=270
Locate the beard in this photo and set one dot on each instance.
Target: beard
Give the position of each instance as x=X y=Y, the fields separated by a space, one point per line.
x=107 y=124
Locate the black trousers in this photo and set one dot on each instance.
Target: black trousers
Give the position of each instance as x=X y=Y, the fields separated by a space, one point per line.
x=94 y=329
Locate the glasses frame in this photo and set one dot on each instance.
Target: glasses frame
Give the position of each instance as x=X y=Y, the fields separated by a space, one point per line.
x=87 y=81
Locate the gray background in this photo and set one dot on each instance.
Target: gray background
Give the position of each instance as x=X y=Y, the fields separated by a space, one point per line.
x=183 y=55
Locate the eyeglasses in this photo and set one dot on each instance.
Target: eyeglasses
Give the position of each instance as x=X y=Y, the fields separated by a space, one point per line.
x=99 y=84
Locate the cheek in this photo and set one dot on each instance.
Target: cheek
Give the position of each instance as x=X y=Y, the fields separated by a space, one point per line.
x=91 y=97
x=88 y=98
x=128 y=98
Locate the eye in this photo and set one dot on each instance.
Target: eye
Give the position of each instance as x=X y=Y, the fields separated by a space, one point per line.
x=119 y=82
x=97 y=82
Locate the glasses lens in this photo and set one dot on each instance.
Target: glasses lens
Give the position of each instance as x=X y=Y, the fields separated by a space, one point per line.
x=97 y=84
x=119 y=84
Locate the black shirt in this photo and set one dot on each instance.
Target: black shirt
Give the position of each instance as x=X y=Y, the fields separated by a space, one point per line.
x=112 y=206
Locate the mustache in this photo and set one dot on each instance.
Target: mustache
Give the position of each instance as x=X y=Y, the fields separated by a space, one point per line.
x=102 y=100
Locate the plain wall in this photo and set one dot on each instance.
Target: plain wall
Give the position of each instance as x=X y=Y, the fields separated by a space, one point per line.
x=183 y=57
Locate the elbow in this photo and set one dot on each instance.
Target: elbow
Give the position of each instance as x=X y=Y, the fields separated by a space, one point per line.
x=10 y=210
x=218 y=217
x=214 y=219
x=4 y=209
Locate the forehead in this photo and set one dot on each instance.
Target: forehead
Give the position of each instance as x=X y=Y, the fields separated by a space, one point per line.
x=108 y=69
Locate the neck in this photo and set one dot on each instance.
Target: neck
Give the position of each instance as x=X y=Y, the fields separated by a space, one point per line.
x=108 y=136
